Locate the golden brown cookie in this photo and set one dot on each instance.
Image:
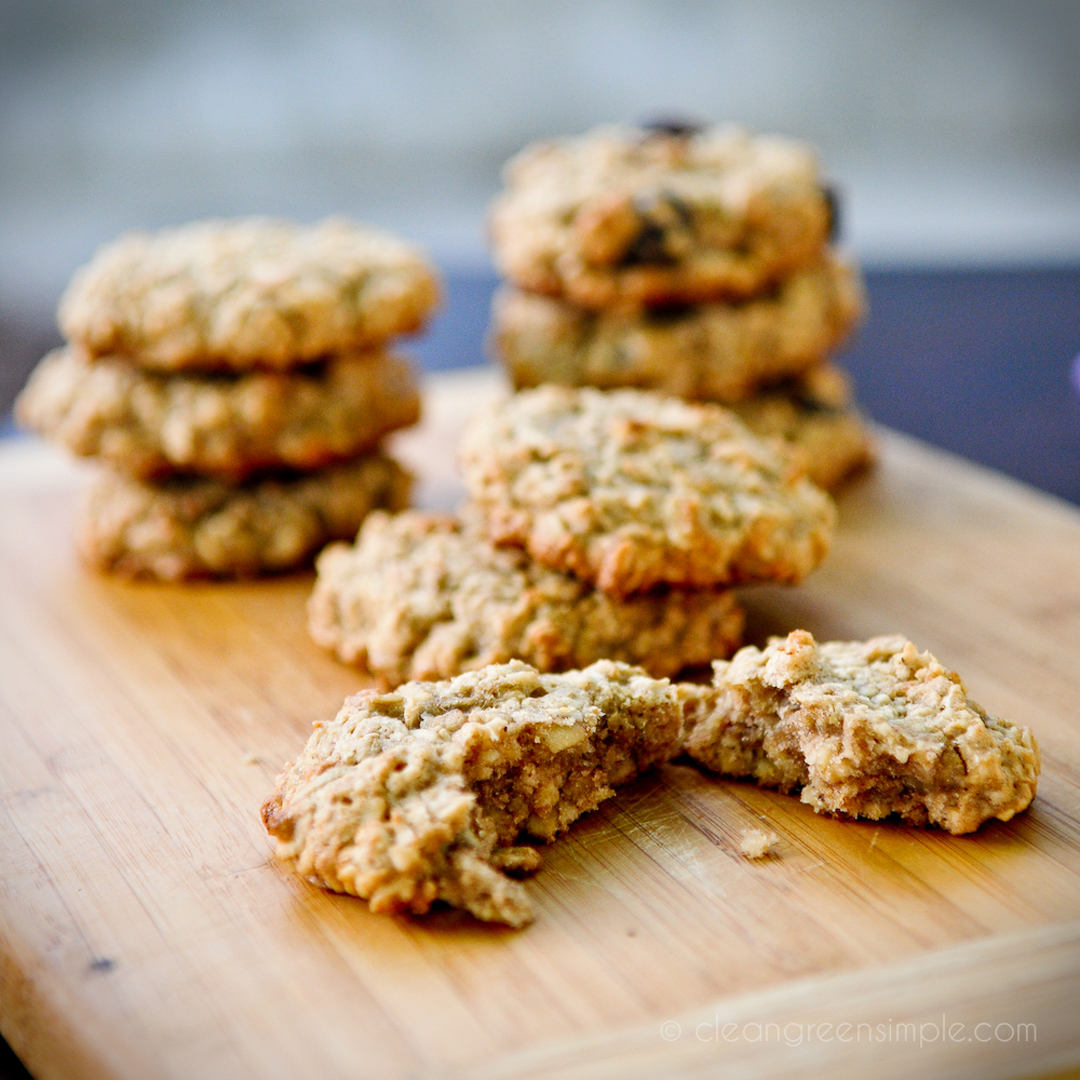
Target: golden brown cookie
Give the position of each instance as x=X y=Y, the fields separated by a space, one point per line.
x=864 y=730
x=720 y=352
x=190 y=527
x=421 y=596
x=227 y=425
x=630 y=491
x=423 y=794
x=651 y=216
x=247 y=293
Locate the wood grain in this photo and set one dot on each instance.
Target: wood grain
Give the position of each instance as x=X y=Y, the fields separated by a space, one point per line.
x=146 y=932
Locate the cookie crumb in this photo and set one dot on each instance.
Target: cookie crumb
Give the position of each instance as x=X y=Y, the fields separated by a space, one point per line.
x=251 y=759
x=757 y=844
x=517 y=861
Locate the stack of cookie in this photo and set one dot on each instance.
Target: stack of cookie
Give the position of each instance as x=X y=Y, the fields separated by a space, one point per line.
x=600 y=525
x=691 y=262
x=428 y=596
x=234 y=379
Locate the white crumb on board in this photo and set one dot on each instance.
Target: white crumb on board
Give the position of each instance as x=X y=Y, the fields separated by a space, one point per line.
x=757 y=843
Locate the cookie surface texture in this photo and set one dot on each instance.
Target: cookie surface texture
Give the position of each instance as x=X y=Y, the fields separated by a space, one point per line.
x=149 y=424
x=720 y=352
x=191 y=527
x=865 y=730
x=627 y=215
x=247 y=293
x=423 y=793
x=420 y=596
x=630 y=490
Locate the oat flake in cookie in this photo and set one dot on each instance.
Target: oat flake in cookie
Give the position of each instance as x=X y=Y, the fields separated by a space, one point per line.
x=649 y=216
x=631 y=491
x=149 y=424
x=247 y=293
x=422 y=596
x=423 y=794
x=192 y=527
x=864 y=730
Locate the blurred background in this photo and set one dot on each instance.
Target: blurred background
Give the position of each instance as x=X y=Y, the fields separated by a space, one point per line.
x=952 y=128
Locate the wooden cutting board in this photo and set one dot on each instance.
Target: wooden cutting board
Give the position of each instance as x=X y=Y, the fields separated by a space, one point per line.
x=145 y=930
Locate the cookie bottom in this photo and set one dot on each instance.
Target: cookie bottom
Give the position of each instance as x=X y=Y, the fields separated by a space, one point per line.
x=192 y=527
x=813 y=419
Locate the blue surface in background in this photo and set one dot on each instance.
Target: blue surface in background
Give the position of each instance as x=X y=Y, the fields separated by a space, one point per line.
x=456 y=336
x=978 y=362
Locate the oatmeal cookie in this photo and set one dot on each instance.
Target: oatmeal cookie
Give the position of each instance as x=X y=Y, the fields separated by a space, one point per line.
x=421 y=596
x=865 y=730
x=651 y=216
x=631 y=490
x=247 y=293
x=813 y=417
x=227 y=425
x=191 y=527
x=422 y=794
x=708 y=352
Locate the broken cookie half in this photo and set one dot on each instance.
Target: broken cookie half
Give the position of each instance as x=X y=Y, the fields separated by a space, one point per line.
x=421 y=794
x=864 y=729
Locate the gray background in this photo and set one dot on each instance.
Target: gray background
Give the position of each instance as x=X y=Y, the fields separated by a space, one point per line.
x=952 y=128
